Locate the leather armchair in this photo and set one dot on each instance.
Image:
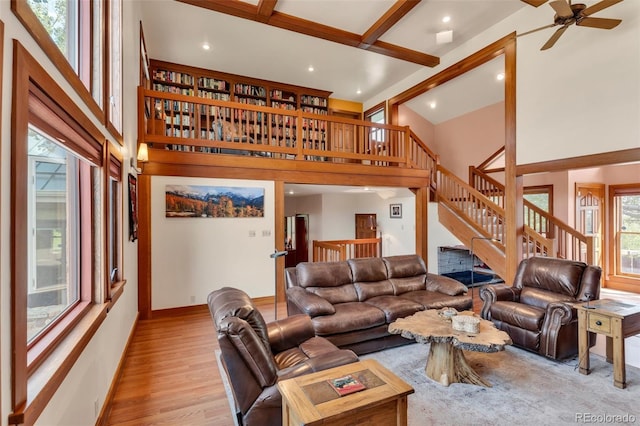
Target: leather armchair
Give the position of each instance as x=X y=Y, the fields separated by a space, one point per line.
x=536 y=311
x=256 y=355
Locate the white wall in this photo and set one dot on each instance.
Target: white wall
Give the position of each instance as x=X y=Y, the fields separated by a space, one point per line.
x=438 y=236
x=88 y=381
x=580 y=97
x=190 y=257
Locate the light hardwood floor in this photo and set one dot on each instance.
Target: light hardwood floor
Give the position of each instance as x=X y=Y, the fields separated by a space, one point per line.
x=170 y=375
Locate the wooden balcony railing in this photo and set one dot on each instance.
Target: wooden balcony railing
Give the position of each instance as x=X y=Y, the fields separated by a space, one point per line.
x=338 y=250
x=186 y=123
x=567 y=242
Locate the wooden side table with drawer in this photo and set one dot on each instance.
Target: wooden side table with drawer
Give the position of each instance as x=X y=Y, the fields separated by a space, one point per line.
x=613 y=319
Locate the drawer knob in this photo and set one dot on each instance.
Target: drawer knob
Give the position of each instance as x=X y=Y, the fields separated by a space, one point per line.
x=598 y=322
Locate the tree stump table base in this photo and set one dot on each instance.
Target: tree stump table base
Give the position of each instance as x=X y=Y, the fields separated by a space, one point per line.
x=446 y=363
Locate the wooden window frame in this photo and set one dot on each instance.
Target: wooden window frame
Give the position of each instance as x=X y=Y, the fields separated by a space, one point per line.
x=622 y=282
x=81 y=80
x=541 y=189
x=109 y=71
x=37 y=372
x=113 y=225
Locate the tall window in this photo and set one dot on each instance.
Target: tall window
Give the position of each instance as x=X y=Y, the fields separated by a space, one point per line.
x=114 y=107
x=60 y=19
x=57 y=158
x=376 y=115
x=54 y=217
x=626 y=229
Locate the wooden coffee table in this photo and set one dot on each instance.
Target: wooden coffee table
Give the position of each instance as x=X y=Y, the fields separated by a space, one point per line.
x=446 y=362
x=310 y=399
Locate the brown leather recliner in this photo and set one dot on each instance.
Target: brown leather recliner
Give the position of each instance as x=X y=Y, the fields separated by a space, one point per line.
x=256 y=355
x=537 y=310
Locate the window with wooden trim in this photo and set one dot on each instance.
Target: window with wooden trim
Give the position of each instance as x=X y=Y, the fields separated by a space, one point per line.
x=114 y=107
x=376 y=114
x=114 y=197
x=625 y=218
x=57 y=245
x=541 y=196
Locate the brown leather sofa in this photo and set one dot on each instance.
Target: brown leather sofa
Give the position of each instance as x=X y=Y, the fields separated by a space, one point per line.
x=351 y=303
x=537 y=310
x=256 y=355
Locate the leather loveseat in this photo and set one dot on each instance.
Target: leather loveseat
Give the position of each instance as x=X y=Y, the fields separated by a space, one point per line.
x=256 y=355
x=536 y=311
x=351 y=303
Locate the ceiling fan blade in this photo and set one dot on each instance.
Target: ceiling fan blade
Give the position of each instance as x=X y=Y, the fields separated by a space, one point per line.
x=535 y=3
x=536 y=30
x=598 y=7
x=602 y=23
x=562 y=8
x=549 y=44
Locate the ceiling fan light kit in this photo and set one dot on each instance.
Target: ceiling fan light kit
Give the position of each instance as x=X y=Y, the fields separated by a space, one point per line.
x=568 y=14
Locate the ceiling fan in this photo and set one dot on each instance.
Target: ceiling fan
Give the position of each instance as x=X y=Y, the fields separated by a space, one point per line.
x=568 y=14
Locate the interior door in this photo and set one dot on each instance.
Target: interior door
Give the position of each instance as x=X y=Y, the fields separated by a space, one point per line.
x=366 y=227
x=589 y=214
x=302 y=238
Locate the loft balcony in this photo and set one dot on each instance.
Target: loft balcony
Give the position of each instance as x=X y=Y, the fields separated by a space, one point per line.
x=184 y=133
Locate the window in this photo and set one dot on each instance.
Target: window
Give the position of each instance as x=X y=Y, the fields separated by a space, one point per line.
x=376 y=115
x=114 y=196
x=626 y=229
x=54 y=216
x=114 y=107
x=57 y=246
x=73 y=34
x=541 y=197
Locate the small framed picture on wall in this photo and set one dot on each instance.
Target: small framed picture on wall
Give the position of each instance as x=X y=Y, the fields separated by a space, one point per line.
x=395 y=211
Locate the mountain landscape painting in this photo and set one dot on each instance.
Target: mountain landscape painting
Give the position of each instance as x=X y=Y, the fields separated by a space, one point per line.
x=213 y=201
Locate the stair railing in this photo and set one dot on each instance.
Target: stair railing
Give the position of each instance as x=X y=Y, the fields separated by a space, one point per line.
x=568 y=243
x=487 y=217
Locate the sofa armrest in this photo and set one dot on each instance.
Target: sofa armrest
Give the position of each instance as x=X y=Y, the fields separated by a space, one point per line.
x=489 y=294
x=321 y=362
x=289 y=332
x=557 y=315
x=445 y=285
x=309 y=303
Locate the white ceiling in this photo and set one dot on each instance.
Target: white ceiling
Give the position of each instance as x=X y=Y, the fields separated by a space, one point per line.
x=175 y=31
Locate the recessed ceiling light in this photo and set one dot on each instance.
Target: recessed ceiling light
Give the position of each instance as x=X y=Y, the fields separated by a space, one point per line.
x=206 y=46
x=358 y=91
x=500 y=76
x=291 y=192
x=432 y=104
x=310 y=68
x=446 y=19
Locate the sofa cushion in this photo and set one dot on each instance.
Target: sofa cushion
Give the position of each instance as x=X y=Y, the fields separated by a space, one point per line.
x=323 y=274
x=367 y=290
x=518 y=314
x=541 y=298
x=348 y=317
x=395 y=307
x=404 y=266
x=555 y=275
x=343 y=294
x=405 y=284
x=367 y=269
x=436 y=300
x=444 y=285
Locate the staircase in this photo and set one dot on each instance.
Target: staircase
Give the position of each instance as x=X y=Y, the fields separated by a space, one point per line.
x=475 y=214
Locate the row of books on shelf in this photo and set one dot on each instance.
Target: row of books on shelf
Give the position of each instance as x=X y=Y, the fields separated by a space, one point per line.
x=172 y=89
x=251 y=101
x=175 y=106
x=214 y=95
x=213 y=83
x=173 y=77
x=248 y=89
x=282 y=105
x=314 y=110
x=313 y=100
x=283 y=96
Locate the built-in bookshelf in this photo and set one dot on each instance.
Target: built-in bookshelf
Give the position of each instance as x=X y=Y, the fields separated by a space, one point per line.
x=177 y=119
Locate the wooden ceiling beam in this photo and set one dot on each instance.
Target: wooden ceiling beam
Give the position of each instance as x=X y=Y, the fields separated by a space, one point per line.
x=265 y=9
x=388 y=20
x=302 y=26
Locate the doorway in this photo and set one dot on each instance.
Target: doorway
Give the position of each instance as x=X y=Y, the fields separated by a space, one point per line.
x=296 y=239
x=589 y=215
x=366 y=227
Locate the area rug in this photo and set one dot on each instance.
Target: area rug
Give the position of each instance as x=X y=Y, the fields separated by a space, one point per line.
x=527 y=389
